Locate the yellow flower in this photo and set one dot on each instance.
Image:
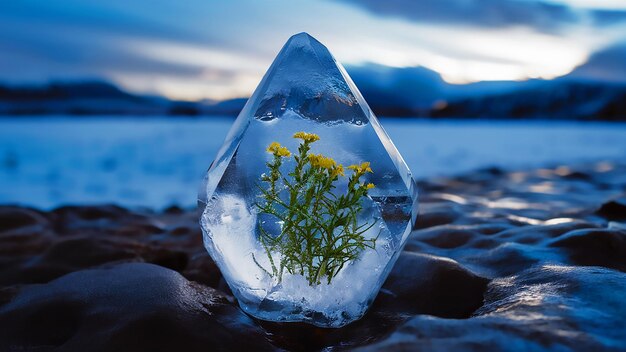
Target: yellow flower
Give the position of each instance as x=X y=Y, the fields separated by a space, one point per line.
x=338 y=171
x=365 y=166
x=369 y=186
x=273 y=147
x=361 y=169
x=278 y=150
x=327 y=163
x=307 y=137
x=321 y=161
x=284 y=152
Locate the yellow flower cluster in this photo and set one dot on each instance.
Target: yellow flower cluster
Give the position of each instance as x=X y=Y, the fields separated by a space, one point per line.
x=307 y=137
x=321 y=161
x=361 y=169
x=338 y=171
x=321 y=231
x=278 y=150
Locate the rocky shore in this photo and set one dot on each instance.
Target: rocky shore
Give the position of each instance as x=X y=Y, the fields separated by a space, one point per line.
x=524 y=260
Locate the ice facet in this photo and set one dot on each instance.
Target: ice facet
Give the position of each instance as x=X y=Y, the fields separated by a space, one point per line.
x=305 y=89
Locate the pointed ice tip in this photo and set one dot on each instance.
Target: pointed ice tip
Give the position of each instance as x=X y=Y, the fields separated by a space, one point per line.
x=306 y=79
x=302 y=39
x=302 y=35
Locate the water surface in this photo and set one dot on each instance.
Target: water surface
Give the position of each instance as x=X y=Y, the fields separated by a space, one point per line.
x=157 y=162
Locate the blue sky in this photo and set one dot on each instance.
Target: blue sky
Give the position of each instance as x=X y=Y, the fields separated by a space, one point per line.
x=208 y=49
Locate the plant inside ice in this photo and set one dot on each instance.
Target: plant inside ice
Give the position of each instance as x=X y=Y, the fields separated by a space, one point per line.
x=319 y=230
x=290 y=213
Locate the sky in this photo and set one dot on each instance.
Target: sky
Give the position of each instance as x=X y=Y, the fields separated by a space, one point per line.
x=201 y=49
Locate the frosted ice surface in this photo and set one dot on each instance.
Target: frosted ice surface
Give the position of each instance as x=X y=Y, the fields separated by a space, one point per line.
x=305 y=89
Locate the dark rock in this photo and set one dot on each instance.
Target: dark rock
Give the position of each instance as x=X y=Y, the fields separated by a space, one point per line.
x=138 y=230
x=537 y=235
x=614 y=209
x=91 y=212
x=88 y=220
x=595 y=247
x=173 y=209
x=539 y=309
x=84 y=252
x=181 y=231
x=171 y=259
x=443 y=237
x=7 y=294
x=304 y=337
x=12 y=218
x=492 y=170
x=26 y=240
x=489 y=228
x=426 y=284
x=439 y=214
x=506 y=259
x=576 y=175
x=202 y=269
x=542 y=232
x=130 y=307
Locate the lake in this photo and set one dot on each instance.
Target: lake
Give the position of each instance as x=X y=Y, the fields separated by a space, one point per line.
x=156 y=162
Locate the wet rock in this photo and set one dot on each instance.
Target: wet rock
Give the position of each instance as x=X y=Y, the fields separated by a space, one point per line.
x=443 y=237
x=595 y=247
x=506 y=258
x=129 y=307
x=91 y=212
x=426 y=284
x=553 y=261
x=84 y=252
x=202 y=269
x=171 y=259
x=304 y=337
x=173 y=209
x=614 y=209
x=492 y=170
x=439 y=214
x=536 y=233
x=540 y=309
x=13 y=217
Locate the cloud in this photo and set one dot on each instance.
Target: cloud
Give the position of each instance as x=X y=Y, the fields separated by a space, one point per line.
x=200 y=49
x=539 y=15
x=57 y=43
x=28 y=55
x=603 y=18
x=483 y=13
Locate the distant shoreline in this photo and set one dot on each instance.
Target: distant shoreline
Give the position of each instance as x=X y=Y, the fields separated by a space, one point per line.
x=549 y=100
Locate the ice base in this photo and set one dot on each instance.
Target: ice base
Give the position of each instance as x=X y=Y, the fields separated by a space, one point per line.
x=231 y=239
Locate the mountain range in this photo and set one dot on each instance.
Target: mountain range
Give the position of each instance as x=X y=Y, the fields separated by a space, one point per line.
x=414 y=91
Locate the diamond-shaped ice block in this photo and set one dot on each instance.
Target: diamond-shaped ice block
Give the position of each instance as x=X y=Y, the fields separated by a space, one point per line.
x=305 y=89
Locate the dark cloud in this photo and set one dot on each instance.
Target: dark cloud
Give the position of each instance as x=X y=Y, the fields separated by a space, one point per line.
x=608 y=64
x=602 y=18
x=49 y=42
x=547 y=17
x=29 y=55
x=109 y=19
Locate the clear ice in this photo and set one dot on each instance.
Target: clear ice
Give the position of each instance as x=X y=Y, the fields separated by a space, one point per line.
x=305 y=89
